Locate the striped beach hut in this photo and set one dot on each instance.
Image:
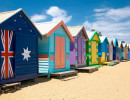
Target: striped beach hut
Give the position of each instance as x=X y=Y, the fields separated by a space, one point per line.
x=124 y=51
x=115 y=54
x=78 y=47
x=111 y=44
x=54 y=48
x=18 y=47
x=102 y=49
x=119 y=50
x=92 y=48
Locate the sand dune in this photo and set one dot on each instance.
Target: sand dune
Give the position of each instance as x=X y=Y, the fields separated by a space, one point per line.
x=109 y=83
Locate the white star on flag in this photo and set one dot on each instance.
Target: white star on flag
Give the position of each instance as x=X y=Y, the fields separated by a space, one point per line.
x=26 y=54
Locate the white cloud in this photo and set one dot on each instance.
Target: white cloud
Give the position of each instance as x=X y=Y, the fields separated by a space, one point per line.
x=111 y=22
x=58 y=14
x=37 y=17
x=101 y=10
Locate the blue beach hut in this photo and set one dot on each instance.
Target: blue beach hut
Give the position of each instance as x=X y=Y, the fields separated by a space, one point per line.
x=103 y=49
x=18 y=47
x=54 y=48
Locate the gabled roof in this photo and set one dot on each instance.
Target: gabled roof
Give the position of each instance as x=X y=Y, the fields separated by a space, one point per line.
x=128 y=46
x=103 y=38
x=47 y=28
x=92 y=34
x=110 y=40
x=115 y=41
x=124 y=45
x=74 y=30
x=6 y=15
x=120 y=44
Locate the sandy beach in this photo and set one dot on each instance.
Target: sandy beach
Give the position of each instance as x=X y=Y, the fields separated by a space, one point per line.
x=109 y=83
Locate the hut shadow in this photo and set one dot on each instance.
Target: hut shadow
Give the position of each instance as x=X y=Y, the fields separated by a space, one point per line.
x=66 y=78
x=40 y=79
x=27 y=83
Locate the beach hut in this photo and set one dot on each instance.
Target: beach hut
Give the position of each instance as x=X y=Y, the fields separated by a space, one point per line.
x=18 y=46
x=54 y=48
x=127 y=48
x=92 y=48
x=124 y=51
x=110 y=48
x=115 y=54
x=78 y=47
x=119 y=50
x=102 y=49
x=129 y=51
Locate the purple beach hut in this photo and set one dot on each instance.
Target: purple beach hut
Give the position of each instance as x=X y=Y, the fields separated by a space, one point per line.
x=78 y=48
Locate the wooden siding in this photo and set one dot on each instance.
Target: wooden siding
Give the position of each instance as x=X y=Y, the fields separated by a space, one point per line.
x=43 y=67
x=102 y=51
x=92 y=53
x=24 y=70
x=120 y=53
x=43 y=46
x=124 y=53
x=78 y=50
x=110 y=52
x=72 y=53
x=129 y=54
x=59 y=32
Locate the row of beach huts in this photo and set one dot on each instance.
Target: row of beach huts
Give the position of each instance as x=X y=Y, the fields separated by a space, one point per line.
x=30 y=50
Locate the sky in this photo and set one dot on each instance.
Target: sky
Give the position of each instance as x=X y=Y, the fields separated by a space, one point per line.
x=110 y=17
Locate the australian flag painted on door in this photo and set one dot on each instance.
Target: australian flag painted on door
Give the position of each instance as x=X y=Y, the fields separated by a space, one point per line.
x=26 y=61
x=7 y=54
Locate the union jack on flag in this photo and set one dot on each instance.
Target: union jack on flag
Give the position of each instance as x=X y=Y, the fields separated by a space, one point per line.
x=6 y=54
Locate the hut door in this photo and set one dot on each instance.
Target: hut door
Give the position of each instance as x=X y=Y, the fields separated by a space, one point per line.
x=83 y=50
x=94 y=52
x=79 y=50
x=59 y=52
x=7 y=54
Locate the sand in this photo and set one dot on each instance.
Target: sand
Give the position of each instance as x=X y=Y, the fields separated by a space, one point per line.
x=109 y=83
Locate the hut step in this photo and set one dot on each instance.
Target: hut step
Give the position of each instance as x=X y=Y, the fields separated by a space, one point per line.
x=124 y=60
x=6 y=86
x=87 y=69
x=116 y=61
x=112 y=64
x=64 y=74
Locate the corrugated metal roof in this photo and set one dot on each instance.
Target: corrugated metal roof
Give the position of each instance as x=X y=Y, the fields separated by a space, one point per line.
x=119 y=43
x=45 y=27
x=102 y=38
x=75 y=30
x=90 y=33
x=124 y=44
x=5 y=15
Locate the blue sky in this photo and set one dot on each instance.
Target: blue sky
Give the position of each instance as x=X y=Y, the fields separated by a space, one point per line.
x=111 y=17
